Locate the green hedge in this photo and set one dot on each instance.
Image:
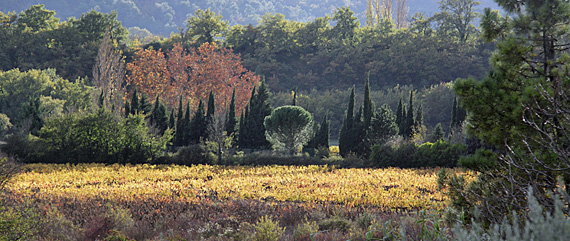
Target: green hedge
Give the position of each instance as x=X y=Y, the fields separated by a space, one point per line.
x=409 y=155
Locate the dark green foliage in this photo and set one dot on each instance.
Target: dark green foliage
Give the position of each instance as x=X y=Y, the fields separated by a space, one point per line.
x=158 y=117
x=180 y=125
x=399 y=114
x=408 y=128
x=345 y=137
x=323 y=134
x=253 y=135
x=198 y=125
x=100 y=137
x=231 y=119
x=31 y=114
x=211 y=107
x=135 y=106
x=127 y=109
x=145 y=107
x=368 y=104
x=437 y=133
x=410 y=155
x=288 y=128
x=382 y=128
x=172 y=120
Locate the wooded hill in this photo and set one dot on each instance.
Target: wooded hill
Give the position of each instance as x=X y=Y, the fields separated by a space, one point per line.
x=165 y=16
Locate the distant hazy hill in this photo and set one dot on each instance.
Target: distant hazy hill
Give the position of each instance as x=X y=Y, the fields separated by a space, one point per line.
x=165 y=16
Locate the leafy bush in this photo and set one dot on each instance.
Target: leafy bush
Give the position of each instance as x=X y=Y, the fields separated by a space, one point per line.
x=336 y=223
x=409 y=155
x=539 y=225
x=267 y=230
x=98 y=137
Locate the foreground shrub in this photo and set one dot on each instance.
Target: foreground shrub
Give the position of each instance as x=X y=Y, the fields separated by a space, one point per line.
x=539 y=225
x=267 y=230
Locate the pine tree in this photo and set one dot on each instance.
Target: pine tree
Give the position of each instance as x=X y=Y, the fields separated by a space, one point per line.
x=135 y=107
x=344 y=141
x=231 y=120
x=437 y=134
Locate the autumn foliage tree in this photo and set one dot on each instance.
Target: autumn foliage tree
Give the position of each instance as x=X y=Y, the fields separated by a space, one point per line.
x=192 y=74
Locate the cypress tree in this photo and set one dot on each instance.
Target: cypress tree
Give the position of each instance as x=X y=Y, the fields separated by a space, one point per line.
x=231 y=120
x=259 y=109
x=145 y=107
x=419 y=121
x=191 y=132
x=454 y=113
x=198 y=125
x=127 y=108
x=180 y=126
x=211 y=107
x=409 y=122
x=158 y=116
x=461 y=113
x=135 y=107
x=368 y=104
x=242 y=135
x=344 y=140
x=399 y=114
x=172 y=120
x=294 y=97
x=323 y=135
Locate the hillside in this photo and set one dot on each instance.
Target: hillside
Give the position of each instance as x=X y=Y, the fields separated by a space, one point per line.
x=165 y=16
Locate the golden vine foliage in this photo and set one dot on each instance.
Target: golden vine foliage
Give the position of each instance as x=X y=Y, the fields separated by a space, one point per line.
x=192 y=74
x=393 y=189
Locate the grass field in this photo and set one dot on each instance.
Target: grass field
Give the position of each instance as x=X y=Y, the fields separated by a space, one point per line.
x=165 y=197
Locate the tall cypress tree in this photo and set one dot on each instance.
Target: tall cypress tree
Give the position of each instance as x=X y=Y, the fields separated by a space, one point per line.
x=345 y=135
x=323 y=135
x=198 y=125
x=409 y=122
x=145 y=107
x=180 y=125
x=127 y=108
x=211 y=107
x=259 y=109
x=158 y=116
x=368 y=111
x=135 y=107
x=399 y=114
x=231 y=119
x=172 y=120
x=454 y=114
x=242 y=136
x=419 y=121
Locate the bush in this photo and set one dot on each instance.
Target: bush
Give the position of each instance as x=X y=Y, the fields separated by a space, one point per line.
x=409 y=155
x=336 y=223
x=539 y=225
x=193 y=154
x=267 y=230
x=98 y=137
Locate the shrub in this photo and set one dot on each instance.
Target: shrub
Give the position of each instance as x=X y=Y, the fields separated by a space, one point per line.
x=409 y=155
x=267 y=230
x=539 y=225
x=192 y=154
x=335 y=223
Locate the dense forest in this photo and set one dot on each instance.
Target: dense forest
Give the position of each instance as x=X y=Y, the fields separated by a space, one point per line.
x=165 y=17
